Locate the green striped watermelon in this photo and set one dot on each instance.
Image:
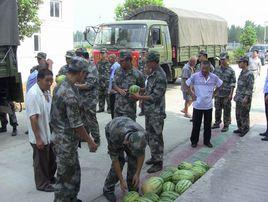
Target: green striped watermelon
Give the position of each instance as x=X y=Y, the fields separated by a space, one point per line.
x=143 y=199
x=168 y=186
x=152 y=196
x=202 y=164
x=185 y=166
x=153 y=184
x=166 y=175
x=169 y=195
x=171 y=168
x=182 y=186
x=198 y=171
x=183 y=175
x=131 y=196
x=134 y=89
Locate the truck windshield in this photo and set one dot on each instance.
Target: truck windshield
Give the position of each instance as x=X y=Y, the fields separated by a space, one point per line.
x=122 y=35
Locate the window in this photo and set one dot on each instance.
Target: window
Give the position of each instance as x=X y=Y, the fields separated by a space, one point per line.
x=156 y=36
x=37 y=44
x=55 y=9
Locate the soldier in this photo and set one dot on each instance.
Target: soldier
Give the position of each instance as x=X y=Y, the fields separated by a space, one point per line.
x=12 y=119
x=67 y=128
x=104 y=75
x=154 y=108
x=88 y=91
x=68 y=58
x=124 y=135
x=126 y=76
x=243 y=97
x=203 y=56
x=224 y=96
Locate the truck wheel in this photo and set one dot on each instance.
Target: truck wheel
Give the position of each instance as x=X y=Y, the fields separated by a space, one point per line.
x=173 y=78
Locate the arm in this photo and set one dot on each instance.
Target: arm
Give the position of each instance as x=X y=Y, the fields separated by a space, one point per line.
x=36 y=130
x=136 y=178
x=248 y=93
x=118 y=172
x=82 y=133
x=233 y=82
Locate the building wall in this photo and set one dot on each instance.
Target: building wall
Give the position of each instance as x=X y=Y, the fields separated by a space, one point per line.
x=56 y=37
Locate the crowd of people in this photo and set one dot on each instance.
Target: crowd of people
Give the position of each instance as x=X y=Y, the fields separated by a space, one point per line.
x=58 y=123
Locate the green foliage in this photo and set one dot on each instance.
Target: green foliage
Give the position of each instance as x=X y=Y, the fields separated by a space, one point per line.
x=29 y=21
x=239 y=52
x=234 y=33
x=124 y=9
x=248 y=37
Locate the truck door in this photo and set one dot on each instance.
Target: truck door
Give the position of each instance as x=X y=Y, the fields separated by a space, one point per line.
x=156 y=42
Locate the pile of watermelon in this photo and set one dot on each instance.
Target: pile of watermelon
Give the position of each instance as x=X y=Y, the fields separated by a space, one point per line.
x=170 y=184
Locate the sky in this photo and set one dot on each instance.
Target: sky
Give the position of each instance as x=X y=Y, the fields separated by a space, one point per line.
x=91 y=12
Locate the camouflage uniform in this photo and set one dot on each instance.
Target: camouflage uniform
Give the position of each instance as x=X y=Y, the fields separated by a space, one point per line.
x=65 y=117
x=154 y=110
x=89 y=100
x=244 y=89
x=64 y=69
x=117 y=131
x=40 y=55
x=222 y=101
x=104 y=76
x=12 y=117
x=124 y=105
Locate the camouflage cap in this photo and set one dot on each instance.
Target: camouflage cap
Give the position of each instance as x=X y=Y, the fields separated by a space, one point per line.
x=70 y=54
x=123 y=54
x=152 y=56
x=203 y=52
x=41 y=55
x=78 y=64
x=79 y=52
x=137 y=143
x=224 y=55
x=243 y=59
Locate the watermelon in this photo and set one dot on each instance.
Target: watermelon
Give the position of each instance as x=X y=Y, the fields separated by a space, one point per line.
x=185 y=166
x=166 y=175
x=182 y=186
x=134 y=89
x=60 y=79
x=168 y=186
x=198 y=171
x=143 y=199
x=183 y=175
x=169 y=195
x=171 y=168
x=152 y=196
x=152 y=185
x=131 y=196
x=202 y=164
x=165 y=200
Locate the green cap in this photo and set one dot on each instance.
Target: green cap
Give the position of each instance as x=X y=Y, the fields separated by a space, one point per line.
x=123 y=54
x=78 y=64
x=152 y=56
x=69 y=54
x=41 y=55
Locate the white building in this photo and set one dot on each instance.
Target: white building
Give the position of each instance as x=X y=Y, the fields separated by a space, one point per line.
x=55 y=36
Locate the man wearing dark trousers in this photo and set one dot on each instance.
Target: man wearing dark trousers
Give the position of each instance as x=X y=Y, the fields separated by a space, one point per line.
x=204 y=86
x=265 y=90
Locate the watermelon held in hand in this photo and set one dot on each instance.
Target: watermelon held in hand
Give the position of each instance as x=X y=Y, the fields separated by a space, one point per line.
x=134 y=89
x=60 y=79
x=152 y=185
x=131 y=196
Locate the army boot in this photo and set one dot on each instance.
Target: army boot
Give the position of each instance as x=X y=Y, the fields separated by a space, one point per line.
x=225 y=129
x=155 y=167
x=110 y=196
x=3 y=129
x=150 y=161
x=14 y=132
x=215 y=125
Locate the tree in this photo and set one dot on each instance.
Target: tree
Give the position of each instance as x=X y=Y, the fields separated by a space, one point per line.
x=234 y=33
x=126 y=8
x=29 y=22
x=248 y=37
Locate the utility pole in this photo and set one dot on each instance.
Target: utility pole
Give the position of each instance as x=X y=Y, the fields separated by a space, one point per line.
x=264 y=37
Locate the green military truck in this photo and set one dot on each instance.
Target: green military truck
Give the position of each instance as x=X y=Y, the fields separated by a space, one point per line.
x=175 y=33
x=10 y=78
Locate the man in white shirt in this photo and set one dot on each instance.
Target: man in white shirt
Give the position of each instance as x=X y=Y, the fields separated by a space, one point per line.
x=255 y=64
x=38 y=104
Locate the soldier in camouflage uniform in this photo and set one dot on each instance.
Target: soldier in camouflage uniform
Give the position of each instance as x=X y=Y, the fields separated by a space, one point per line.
x=223 y=99
x=203 y=56
x=68 y=57
x=12 y=118
x=67 y=129
x=104 y=76
x=154 y=108
x=126 y=76
x=243 y=97
x=88 y=92
x=124 y=136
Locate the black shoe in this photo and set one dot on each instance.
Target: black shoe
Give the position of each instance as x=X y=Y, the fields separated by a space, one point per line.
x=225 y=129
x=193 y=145
x=263 y=134
x=237 y=131
x=214 y=126
x=14 y=132
x=265 y=138
x=78 y=200
x=100 y=110
x=155 y=167
x=48 y=188
x=109 y=196
x=3 y=129
x=208 y=145
x=242 y=134
x=191 y=120
x=150 y=161
x=141 y=114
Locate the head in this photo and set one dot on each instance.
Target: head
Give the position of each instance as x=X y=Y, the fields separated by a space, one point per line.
x=192 y=61
x=125 y=59
x=112 y=58
x=152 y=61
x=103 y=54
x=86 y=56
x=77 y=70
x=255 y=53
x=205 y=67
x=243 y=62
x=203 y=56
x=143 y=54
x=79 y=52
x=68 y=56
x=137 y=143
x=41 y=58
x=224 y=58
x=44 y=79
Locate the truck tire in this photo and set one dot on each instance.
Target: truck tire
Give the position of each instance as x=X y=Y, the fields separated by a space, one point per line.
x=174 y=79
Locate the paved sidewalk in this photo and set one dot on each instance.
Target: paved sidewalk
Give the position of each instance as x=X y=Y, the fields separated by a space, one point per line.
x=240 y=176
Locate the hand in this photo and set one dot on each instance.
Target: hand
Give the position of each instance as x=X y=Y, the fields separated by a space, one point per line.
x=122 y=91
x=230 y=97
x=245 y=102
x=40 y=144
x=92 y=146
x=136 y=180
x=135 y=96
x=123 y=185
x=49 y=62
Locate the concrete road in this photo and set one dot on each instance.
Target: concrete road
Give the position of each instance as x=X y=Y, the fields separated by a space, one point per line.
x=16 y=171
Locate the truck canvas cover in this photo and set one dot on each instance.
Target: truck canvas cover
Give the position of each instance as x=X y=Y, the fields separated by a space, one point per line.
x=187 y=28
x=9 y=34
